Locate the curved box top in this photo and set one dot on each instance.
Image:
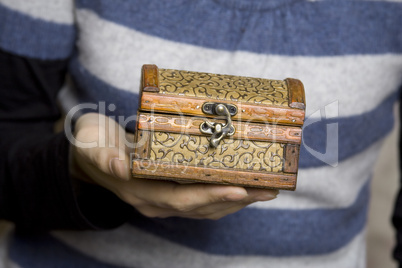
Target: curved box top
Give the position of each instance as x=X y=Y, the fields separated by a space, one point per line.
x=257 y=99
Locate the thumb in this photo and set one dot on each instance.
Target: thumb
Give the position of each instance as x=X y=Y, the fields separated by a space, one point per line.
x=119 y=168
x=111 y=161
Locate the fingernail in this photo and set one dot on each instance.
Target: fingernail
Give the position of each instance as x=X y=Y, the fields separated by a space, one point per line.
x=266 y=197
x=235 y=196
x=118 y=168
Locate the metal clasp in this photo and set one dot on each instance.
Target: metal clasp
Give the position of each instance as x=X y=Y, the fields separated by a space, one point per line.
x=218 y=130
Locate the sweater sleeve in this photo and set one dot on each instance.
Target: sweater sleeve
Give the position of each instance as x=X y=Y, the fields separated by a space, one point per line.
x=397 y=216
x=36 y=191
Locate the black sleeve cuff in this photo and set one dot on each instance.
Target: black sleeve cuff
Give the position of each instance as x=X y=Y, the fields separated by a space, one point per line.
x=52 y=202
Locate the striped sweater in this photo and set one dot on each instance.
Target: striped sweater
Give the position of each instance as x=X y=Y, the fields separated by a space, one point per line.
x=348 y=55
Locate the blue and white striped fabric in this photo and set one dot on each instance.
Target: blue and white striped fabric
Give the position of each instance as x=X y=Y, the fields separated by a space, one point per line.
x=348 y=55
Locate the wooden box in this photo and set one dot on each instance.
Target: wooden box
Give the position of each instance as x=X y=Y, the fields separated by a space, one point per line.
x=222 y=129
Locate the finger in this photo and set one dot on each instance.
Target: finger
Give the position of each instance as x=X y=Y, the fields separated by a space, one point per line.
x=110 y=161
x=208 y=210
x=256 y=194
x=120 y=168
x=103 y=154
x=214 y=214
x=212 y=209
x=157 y=212
x=220 y=214
x=188 y=196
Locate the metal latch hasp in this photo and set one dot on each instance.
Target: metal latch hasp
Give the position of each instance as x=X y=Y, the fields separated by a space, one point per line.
x=218 y=130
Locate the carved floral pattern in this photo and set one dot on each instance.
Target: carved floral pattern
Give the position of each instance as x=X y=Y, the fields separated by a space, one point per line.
x=238 y=154
x=223 y=87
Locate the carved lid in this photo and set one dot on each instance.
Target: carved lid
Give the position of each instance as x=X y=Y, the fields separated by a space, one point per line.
x=256 y=99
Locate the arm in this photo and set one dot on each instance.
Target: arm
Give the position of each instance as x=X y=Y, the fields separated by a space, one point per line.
x=35 y=187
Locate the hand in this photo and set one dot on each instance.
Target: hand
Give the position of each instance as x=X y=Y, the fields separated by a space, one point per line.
x=108 y=166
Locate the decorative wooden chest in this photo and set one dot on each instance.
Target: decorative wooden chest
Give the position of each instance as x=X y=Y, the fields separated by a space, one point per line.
x=223 y=129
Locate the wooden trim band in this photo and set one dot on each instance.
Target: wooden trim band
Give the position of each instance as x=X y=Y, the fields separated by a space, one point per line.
x=167 y=171
x=297 y=97
x=143 y=141
x=244 y=130
x=182 y=105
x=150 y=78
x=291 y=156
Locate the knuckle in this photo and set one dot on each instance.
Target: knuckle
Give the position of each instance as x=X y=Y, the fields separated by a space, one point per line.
x=179 y=205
